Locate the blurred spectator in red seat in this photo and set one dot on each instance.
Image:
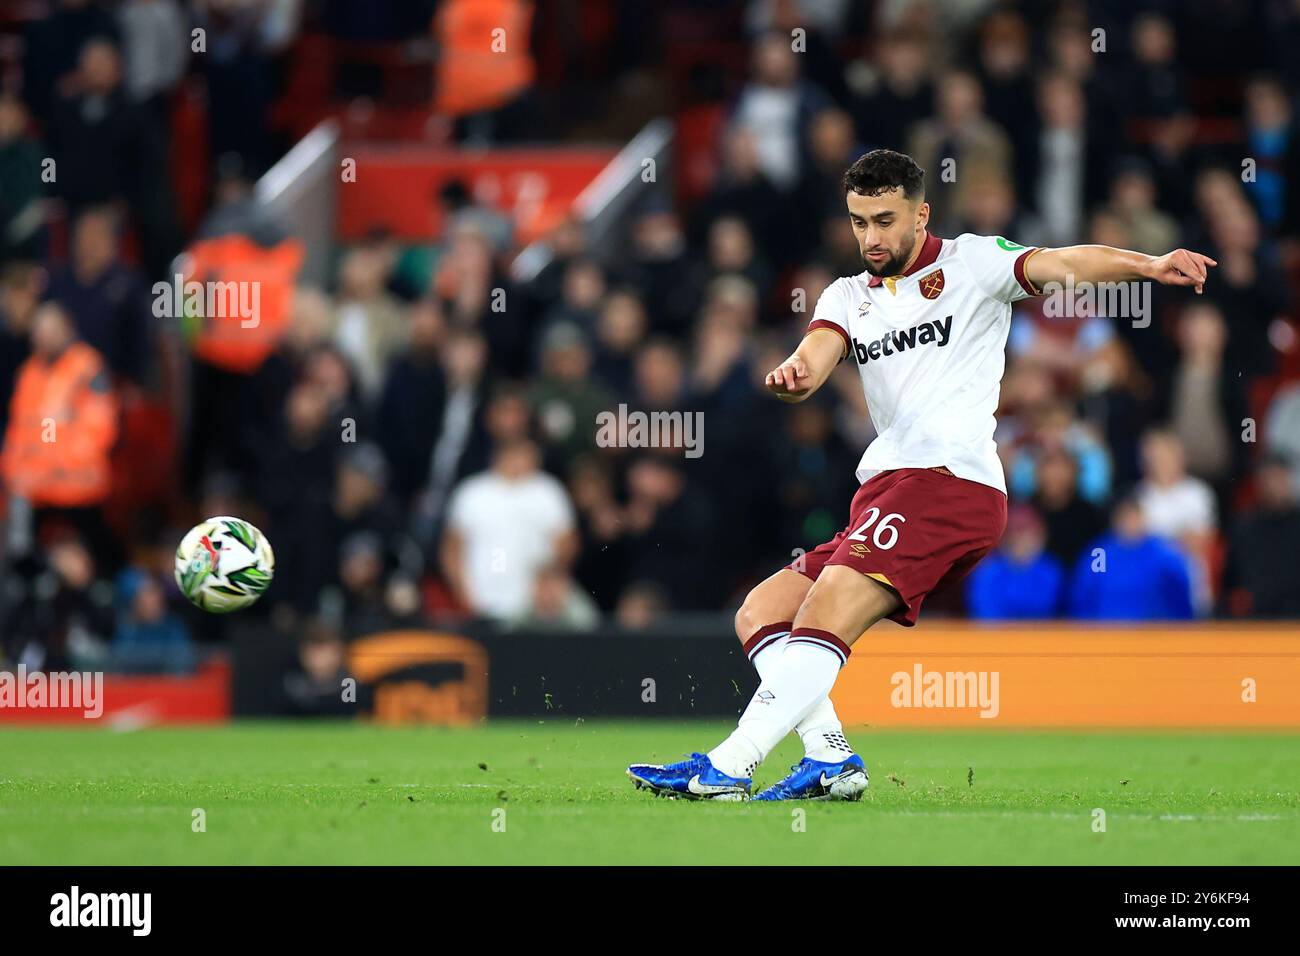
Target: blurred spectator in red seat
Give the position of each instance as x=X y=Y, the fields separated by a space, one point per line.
x=504 y=526
x=106 y=298
x=62 y=426
x=23 y=171
x=1264 y=548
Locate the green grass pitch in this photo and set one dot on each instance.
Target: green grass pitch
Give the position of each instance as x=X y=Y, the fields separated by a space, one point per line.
x=298 y=793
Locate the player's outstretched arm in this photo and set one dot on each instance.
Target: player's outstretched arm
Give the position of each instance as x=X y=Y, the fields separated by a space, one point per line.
x=807 y=369
x=1108 y=264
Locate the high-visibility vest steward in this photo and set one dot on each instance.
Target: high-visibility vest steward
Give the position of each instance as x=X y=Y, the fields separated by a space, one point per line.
x=62 y=426
x=483 y=56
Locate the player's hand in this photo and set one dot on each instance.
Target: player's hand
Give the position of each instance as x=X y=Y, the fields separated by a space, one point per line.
x=1181 y=267
x=790 y=379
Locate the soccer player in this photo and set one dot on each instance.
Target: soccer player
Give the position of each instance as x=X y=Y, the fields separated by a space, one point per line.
x=926 y=324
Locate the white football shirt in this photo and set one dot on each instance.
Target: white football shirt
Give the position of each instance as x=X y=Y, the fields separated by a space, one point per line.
x=930 y=349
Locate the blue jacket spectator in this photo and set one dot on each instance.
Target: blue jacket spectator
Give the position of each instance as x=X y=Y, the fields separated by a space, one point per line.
x=149 y=637
x=1135 y=577
x=1020 y=581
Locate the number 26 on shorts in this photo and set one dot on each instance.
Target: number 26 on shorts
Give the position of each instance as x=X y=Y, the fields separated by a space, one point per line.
x=886 y=534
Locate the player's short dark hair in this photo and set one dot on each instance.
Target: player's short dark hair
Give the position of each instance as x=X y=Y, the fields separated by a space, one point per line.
x=881 y=170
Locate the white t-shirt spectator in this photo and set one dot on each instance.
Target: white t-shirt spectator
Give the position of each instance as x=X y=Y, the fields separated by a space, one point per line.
x=508 y=531
x=1186 y=507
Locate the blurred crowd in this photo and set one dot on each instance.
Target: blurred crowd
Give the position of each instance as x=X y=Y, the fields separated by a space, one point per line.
x=417 y=437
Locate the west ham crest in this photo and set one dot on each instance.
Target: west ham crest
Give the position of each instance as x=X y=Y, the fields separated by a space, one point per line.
x=932 y=284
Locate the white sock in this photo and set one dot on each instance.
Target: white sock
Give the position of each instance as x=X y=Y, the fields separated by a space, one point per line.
x=802 y=676
x=823 y=734
x=821 y=731
x=765 y=647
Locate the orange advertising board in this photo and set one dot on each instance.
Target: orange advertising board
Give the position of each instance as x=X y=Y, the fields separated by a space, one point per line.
x=1206 y=676
x=422 y=677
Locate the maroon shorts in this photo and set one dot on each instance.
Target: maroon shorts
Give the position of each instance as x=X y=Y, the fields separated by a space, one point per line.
x=915 y=530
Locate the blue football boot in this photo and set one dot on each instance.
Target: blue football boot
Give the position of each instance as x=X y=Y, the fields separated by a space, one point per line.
x=694 y=778
x=821 y=780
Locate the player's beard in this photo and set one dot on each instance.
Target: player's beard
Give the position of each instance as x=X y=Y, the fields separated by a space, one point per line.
x=892 y=266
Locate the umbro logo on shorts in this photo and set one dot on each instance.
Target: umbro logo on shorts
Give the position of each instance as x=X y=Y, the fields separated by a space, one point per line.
x=938 y=332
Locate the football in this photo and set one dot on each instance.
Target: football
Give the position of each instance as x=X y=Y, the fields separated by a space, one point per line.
x=224 y=564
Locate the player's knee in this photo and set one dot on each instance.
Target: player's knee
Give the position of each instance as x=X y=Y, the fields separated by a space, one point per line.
x=810 y=607
x=747 y=618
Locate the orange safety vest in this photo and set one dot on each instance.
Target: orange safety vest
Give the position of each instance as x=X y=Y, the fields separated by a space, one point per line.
x=62 y=426
x=237 y=276
x=483 y=55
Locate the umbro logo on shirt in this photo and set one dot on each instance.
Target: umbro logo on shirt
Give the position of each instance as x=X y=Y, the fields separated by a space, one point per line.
x=938 y=332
